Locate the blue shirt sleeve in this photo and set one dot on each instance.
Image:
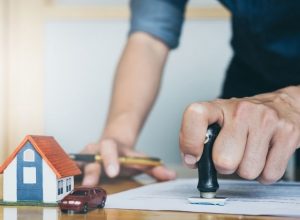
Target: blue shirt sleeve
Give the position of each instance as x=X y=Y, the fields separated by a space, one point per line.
x=162 y=19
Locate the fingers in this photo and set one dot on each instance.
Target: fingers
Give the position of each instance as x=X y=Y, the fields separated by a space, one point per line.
x=107 y=148
x=161 y=173
x=195 y=121
x=92 y=173
x=255 y=155
x=109 y=154
x=258 y=143
x=109 y=151
x=229 y=146
x=285 y=140
x=258 y=136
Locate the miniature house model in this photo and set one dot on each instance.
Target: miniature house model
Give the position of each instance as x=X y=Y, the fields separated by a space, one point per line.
x=38 y=170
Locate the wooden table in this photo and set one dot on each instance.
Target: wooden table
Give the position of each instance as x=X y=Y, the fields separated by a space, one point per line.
x=112 y=186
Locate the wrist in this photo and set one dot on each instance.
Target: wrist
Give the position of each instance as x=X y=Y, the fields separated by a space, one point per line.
x=291 y=95
x=122 y=129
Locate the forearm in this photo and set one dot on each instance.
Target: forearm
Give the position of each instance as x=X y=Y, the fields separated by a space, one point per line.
x=136 y=86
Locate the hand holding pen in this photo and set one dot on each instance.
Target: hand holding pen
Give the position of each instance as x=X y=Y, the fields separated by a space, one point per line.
x=119 y=160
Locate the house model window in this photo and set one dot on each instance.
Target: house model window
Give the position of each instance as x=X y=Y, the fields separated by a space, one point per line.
x=60 y=187
x=68 y=185
x=28 y=155
x=29 y=175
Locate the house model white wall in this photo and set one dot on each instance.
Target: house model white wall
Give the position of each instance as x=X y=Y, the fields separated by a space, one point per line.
x=38 y=170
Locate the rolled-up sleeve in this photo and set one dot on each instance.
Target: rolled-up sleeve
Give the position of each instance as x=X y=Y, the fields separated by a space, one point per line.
x=162 y=19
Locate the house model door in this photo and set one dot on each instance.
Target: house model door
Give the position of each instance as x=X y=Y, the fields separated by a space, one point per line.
x=29 y=174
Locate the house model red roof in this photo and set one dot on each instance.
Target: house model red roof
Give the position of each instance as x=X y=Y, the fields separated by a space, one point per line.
x=51 y=152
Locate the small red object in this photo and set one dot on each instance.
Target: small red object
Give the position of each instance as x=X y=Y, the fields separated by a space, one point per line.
x=82 y=199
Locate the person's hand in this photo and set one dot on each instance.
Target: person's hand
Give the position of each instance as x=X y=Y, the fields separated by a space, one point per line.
x=258 y=136
x=110 y=150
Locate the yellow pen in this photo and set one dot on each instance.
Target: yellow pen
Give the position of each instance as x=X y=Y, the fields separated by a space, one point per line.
x=144 y=161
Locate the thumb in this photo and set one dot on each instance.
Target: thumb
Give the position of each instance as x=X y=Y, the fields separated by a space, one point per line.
x=92 y=171
x=109 y=154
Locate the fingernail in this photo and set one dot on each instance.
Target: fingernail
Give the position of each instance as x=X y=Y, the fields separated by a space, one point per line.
x=112 y=170
x=189 y=159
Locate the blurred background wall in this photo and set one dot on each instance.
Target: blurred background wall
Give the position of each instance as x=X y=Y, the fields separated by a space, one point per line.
x=63 y=81
x=2 y=83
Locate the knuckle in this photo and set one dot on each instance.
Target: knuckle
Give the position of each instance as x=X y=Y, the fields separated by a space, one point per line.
x=288 y=127
x=196 y=109
x=269 y=117
x=108 y=150
x=108 y=144
x=221 y=101
x=225 y=165
x=242 y=110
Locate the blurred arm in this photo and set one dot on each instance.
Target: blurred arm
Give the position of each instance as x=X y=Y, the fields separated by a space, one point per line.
x=136 y=86
x=155 y=29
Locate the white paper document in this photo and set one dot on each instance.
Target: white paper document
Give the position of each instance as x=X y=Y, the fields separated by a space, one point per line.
x=244 y=197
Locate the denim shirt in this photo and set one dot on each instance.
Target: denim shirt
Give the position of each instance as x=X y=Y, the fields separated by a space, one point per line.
x=265 y=40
